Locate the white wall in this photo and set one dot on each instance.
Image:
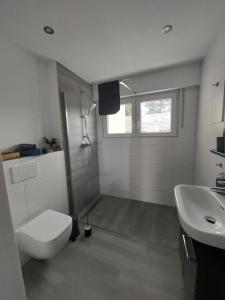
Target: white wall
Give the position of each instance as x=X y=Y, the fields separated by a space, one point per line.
x=11 y=280
x=173 y=77
x=29 y=103
x=148 y=168
x=163 y=79
x=210 y=123
x=51 y=116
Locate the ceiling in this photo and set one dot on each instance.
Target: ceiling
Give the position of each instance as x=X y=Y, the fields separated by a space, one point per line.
x=104 y=39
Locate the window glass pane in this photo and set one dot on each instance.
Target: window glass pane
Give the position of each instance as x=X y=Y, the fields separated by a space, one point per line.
x=120 y=122
x=155 y=116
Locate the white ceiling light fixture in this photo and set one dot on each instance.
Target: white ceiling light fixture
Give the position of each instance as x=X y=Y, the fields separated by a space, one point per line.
x=48 y=30
x=166 y=29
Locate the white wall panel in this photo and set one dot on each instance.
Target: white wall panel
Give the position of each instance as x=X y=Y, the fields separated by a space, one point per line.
x=29 y=97
x=210 y=123
x=11 y=279
x=148 y=168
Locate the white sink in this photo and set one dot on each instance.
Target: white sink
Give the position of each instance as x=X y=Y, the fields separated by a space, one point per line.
x=197 y=206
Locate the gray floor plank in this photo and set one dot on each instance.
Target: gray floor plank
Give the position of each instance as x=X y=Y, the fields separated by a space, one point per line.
x=147 y=221
x=139 y=260
x=106 y=266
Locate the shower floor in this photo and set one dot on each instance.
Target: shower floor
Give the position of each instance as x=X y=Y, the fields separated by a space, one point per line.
x=137 y=219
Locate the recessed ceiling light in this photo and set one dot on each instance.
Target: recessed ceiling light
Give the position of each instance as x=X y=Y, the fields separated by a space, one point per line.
x=166 y=29
x=49 y=30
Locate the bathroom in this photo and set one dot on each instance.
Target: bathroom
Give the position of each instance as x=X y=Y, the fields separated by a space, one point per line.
x=122 y=204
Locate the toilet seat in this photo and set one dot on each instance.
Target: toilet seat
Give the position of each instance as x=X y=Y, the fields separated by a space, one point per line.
x=45 y=235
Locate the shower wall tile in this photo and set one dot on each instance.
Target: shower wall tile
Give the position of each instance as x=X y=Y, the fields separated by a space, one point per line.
x=82 y=166
x=148 y=168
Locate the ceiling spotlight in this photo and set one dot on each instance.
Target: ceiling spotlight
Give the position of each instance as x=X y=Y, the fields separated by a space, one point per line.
x=166 y=29
x=49 y=30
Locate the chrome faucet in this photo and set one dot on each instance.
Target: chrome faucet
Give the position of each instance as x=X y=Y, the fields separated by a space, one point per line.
x=220 y=184
x=219 y=190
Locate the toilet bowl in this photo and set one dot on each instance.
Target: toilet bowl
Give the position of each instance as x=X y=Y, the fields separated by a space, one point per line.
x=45 y=235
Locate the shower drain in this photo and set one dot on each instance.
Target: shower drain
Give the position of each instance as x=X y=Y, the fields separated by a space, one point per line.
x=210 y=220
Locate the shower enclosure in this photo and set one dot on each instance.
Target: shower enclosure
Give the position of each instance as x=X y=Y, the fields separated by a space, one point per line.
x=80 y=140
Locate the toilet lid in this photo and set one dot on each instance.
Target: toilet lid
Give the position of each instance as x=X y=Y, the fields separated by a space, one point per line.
x=47 y=226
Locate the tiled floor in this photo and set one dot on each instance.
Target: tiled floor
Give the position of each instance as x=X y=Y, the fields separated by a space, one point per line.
x=141 y=220
x=111 y=265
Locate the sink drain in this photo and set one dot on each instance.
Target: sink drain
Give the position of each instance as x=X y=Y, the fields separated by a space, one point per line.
x=210 y=220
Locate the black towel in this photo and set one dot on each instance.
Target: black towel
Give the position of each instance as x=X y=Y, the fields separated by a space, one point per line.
x=109 y=97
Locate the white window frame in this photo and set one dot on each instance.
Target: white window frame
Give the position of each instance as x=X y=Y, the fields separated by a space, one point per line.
x=105 y=123
x=174 y=95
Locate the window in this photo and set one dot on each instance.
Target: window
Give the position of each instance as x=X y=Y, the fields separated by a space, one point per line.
x=157 y=114
x=121 y=123
x=153 y=114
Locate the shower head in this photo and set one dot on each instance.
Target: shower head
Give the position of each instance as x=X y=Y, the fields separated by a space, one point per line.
x=91 y=108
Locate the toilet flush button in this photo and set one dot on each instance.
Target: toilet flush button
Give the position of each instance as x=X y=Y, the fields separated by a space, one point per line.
x=24 y=171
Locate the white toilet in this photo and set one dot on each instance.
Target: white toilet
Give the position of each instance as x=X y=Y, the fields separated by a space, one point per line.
x=45 y=235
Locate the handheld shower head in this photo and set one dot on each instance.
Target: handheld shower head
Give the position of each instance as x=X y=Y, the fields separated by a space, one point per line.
x=90 y=109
